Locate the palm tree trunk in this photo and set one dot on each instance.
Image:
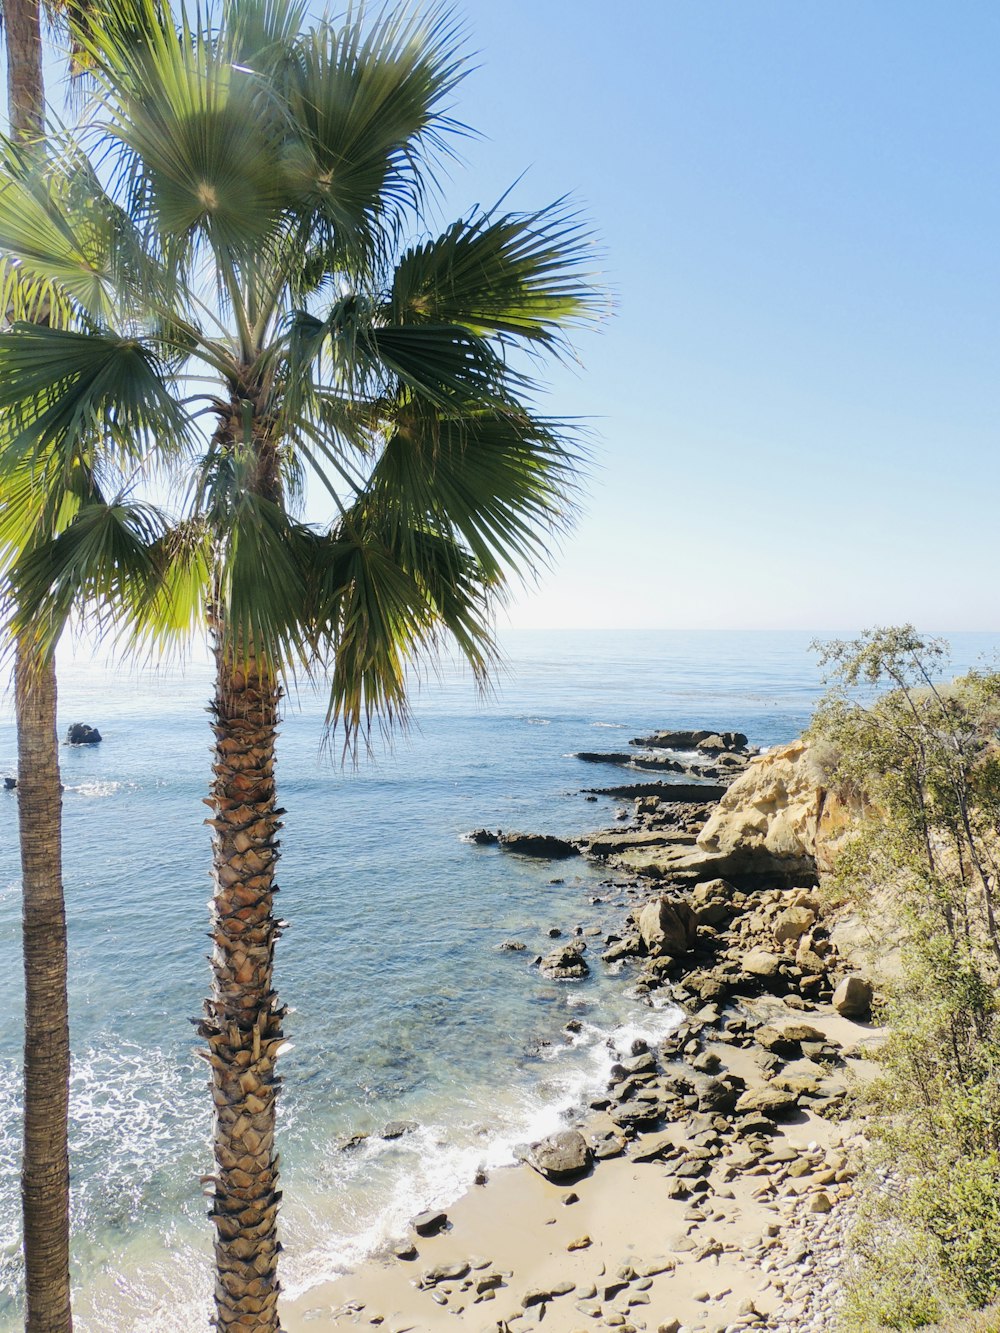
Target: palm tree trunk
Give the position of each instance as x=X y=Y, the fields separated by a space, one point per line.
x=25 y=87
x=45 y=1170
x=243 y=1023
x=45 y=1161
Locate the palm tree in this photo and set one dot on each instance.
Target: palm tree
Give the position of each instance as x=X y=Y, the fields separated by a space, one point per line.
x=240 y=258
x=45 y=1155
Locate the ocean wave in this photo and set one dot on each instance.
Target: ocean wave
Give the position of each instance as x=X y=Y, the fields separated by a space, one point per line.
x=96 y=789
x=536 y=721
x=389 y=1182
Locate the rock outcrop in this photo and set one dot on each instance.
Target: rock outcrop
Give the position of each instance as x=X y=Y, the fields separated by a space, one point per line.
x=777 y=825
x=79 y=733
x=541 y=845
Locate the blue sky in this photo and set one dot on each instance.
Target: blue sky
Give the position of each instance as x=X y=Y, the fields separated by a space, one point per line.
x=796 y=399
x=795 y=403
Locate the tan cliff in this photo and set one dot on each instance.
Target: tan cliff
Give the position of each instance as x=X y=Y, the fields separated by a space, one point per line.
x=778 y=823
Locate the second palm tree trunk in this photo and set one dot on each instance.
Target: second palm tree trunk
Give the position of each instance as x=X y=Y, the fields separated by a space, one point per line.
x=45 y=1171
x=243 y=1023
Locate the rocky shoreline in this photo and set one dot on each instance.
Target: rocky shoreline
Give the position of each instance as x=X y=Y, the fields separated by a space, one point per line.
x=732 y=1132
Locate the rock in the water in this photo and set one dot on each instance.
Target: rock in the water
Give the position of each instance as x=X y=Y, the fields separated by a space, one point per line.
x=542 y=845
x=395 y=1129
x=512 y=946
x=566 y=963
x=560 y=1155
x=9 y=784
x=430 y=1223
x=853 y=997
x=482 y=837
x=80 y=734
x=668 y=927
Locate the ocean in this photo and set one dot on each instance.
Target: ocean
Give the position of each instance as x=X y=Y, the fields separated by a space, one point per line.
x=401 y=1005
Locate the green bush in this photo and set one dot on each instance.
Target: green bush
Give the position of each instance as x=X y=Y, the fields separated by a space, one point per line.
x=922 y=761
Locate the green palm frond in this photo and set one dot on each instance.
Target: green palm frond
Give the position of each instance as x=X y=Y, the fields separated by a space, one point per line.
x=65 y=393
x=260 y=598
x=202 y=136
x=385 y=599
x=522 y=275
x=102 y=561
x=368 y=103
x=503 y=481
x=52 y=256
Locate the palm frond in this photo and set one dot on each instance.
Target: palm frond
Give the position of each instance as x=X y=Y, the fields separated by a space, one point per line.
x=102 y=562
x=518 y=275
x=67 y=393
x=367 y=100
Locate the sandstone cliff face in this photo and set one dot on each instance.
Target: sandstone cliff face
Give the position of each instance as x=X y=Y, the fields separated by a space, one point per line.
x=777 y=824
x=779 y=812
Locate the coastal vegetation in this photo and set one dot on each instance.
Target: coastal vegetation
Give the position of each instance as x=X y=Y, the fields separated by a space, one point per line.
x=224 y=241
x=922 y=762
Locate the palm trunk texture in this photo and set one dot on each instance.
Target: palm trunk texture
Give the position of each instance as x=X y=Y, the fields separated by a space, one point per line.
x=45 y=1170
x=25 y=86
x=45 y=1161
x=243 y=1017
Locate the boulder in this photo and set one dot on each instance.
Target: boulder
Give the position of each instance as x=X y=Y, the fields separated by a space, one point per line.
x=853 y=997
x=81 y=734
x=9 y=784
x=668 y=926
x=774 y=1103
x=762 y=963
x=560 y=1155
x=430 y=1223
x=542 y=845
x=671 y=740
x=566 y=963
x=792 y=923
x=765 y=825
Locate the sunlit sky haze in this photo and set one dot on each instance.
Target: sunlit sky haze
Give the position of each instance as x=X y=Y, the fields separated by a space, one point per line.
x=794 y=406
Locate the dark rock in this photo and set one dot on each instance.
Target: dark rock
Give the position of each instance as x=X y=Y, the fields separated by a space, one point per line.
x=541 y=845
x=686 y=792
x=565 y=963
x=482 y=837
x=637 y=1113
x=672 y=740
x=405 y=1250
x=512 y=946
x=353 y=1141
x=80 y=733
x=430 y=1222
x=9 y=784
x=559 y=1156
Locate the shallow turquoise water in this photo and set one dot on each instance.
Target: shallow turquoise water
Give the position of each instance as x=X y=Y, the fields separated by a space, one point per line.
x=400 y=1004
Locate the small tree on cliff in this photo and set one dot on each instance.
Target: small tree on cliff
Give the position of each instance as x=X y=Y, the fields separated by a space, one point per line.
x=924 y=758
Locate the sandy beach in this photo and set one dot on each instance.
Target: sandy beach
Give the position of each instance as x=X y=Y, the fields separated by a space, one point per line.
x=718 y=1169
x=614 y=1249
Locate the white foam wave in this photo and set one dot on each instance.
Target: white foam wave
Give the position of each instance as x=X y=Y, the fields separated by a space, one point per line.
x=435 y=1164
x=96 y=789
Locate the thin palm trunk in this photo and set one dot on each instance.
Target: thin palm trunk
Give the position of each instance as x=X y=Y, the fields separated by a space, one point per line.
x=45 y=1161
x=45 y=1171
x=243 y=1024
x=25 y=86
